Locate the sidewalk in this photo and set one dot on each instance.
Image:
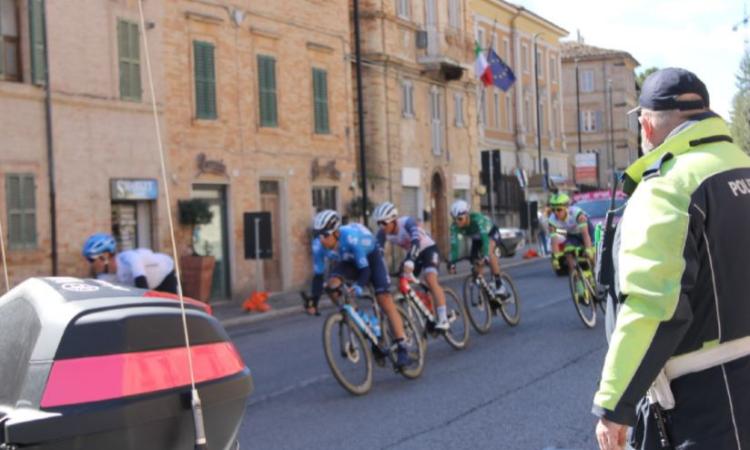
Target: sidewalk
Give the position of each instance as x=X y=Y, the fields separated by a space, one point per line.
x=230 y=313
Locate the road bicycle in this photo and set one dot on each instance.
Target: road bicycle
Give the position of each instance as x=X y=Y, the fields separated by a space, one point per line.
x=358 y=334
x=482 y=304
x=417 y=300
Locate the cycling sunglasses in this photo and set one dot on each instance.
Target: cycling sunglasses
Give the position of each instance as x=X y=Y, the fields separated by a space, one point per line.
x=382 y=223
x=561 y=209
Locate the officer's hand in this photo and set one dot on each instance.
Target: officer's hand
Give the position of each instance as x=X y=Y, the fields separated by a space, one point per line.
x=611 y=435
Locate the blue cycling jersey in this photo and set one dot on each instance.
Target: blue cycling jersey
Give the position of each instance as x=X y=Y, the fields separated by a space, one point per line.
x=356 y=242
x=320 y=254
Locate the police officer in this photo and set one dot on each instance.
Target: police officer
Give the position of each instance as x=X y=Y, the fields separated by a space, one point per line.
x=682 y=335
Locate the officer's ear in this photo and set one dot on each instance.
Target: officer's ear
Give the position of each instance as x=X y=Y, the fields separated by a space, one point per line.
x=647 y=126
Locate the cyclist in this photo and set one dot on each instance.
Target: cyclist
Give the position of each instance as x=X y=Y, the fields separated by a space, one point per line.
x=141 y=267
x=568 y=226
x=422 y=253
x=320 y=255
x=361 y=259
x=485 y=236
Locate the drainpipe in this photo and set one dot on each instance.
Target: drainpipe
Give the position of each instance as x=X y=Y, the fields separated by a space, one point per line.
x=50 y=146
x=360 y=113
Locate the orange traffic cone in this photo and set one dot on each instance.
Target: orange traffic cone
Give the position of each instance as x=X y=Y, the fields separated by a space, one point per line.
x=257 y=302
x=530 y=253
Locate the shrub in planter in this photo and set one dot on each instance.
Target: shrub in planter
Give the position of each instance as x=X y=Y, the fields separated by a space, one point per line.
x=197 y=270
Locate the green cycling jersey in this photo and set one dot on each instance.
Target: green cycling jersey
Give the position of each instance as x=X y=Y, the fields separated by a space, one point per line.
x=478 y=228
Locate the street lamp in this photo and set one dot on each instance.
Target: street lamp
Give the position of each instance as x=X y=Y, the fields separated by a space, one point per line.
x=578 y=105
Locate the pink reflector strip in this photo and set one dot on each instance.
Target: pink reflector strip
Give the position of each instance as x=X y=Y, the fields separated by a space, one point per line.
x=96 y=378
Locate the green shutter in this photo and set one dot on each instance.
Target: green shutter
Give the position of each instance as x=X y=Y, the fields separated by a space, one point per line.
x=205 y=80
x=128 y=48
x=36 y=31
x=320 y=101
x=267 y=91
x=21 y=201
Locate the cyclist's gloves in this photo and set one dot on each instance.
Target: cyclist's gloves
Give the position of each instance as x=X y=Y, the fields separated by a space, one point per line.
x=590 y=252
x=409 y=266
x=451 y=267
x=357 y=290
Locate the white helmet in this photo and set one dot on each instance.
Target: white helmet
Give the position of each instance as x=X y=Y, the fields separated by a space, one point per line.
x=326 y=221
x=459 y=207
x=385 y=212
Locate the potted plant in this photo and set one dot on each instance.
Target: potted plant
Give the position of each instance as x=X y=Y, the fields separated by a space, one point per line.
x=197 y=270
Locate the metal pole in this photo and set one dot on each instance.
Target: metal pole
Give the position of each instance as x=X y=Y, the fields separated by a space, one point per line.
x=491 y=183
x=536 y=96
x=611 y=126
x=360 y=113
x=5 y=262
x=50 y=147
x=260 y=285
x=578 y=106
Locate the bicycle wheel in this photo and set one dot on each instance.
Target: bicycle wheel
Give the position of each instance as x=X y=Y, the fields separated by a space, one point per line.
x=348 y=354
x=582 y=299
x=477 y=306
x=415 y=345
x=416 y=317
x=510 y=308
x=458 y=333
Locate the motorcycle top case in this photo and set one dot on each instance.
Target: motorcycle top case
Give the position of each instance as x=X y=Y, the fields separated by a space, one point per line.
x=89 y=365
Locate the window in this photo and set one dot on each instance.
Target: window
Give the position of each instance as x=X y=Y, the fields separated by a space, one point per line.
x=205 y=80
x=525 y=58
x=459 y=103
x=539 y=61
x=21 y=201
x=591 y=121
x=508 y=113
x=324 y=197
x=437 y=121
x=454 y=13
x=36 y=38
x=128 y=45
x=407 y=99
x=555 y=120
x=527 y=116
x=403 y=9
x=410 y=202
x=587 y=81
x=541 y=114
x=480 y=37
x=320 y=100
x=482 y=106
x=267 y=91
x=497 y=110
x=553 y=69
x=506 y=47
x=9 y=41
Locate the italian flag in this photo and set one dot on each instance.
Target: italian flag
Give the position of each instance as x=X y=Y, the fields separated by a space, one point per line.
x=482 y=69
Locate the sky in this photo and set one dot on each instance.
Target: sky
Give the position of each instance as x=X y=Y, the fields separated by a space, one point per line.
x=694 y=34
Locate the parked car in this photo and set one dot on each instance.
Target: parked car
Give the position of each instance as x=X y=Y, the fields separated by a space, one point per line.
x=512 y=239
x=596 y=204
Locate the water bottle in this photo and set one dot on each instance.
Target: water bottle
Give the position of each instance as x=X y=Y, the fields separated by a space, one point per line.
x=375 y=324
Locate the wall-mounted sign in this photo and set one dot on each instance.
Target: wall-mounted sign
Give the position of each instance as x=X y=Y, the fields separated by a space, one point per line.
x=586 y=168
x=126 y=189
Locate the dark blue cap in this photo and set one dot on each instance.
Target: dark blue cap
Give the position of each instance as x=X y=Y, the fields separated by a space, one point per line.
x=661 y=89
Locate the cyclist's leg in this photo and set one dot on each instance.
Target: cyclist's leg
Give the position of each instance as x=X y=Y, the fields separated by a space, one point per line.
x=428 y=262
x=382 y=284
x=494 y=242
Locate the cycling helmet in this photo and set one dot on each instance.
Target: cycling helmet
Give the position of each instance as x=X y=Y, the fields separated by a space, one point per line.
x=559 y=200
x=385 y=212
x=326 y=221
x=459 y=207
x=97 y=244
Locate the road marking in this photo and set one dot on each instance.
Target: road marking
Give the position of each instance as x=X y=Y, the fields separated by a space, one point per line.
x=301 y=385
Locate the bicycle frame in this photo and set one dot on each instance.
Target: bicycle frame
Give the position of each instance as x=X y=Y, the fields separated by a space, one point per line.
x=412 y=297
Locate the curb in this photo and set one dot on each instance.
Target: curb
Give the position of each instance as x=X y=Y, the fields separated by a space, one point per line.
x=326 y=303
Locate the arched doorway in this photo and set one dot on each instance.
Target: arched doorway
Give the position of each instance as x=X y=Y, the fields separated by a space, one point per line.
x=439 y=218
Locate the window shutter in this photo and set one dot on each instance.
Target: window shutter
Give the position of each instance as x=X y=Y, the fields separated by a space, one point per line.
x=135 y=65
x=320 y=97
x=598 y=125
x=36 y=29
x=21 y=201
x=267 y=91
x=205 y=83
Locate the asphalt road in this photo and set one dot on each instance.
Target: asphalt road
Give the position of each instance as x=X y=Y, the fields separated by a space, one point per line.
x=527 y=387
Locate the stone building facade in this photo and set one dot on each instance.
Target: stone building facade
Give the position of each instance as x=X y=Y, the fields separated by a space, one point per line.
x=101 y=142
x=259 y=120
x=598 y=101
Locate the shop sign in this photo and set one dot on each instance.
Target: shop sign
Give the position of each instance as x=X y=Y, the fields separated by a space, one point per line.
x=134 y=189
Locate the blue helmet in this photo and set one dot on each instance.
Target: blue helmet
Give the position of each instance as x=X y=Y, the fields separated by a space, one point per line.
x=97 y=244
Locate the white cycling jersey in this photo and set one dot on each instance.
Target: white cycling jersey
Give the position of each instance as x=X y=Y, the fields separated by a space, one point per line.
x=132 y=264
